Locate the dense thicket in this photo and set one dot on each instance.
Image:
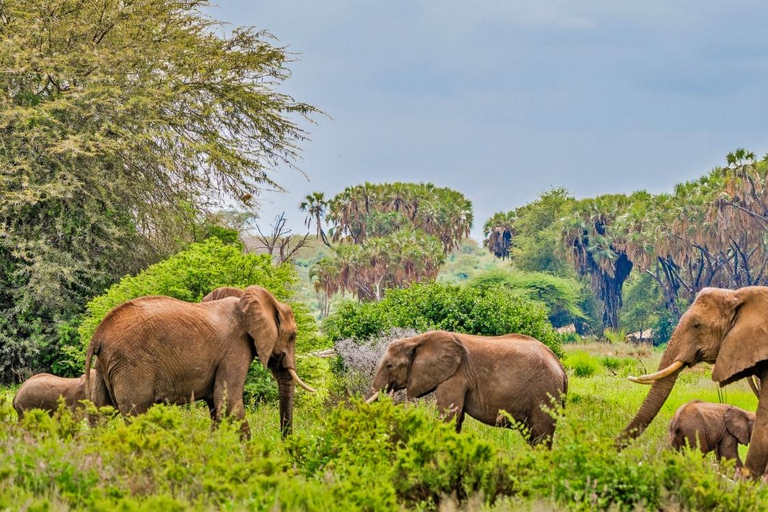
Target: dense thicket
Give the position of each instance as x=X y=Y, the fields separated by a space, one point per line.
x=120 y=123
x=390 y=235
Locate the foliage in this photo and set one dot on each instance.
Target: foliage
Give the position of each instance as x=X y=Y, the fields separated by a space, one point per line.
x=379 y=263
x=643 y=304
x=400 y=233
x=588 y=242
x=122 y=123
x=528 y=235
x=316 y=207
x=387 y=207
x=485 y=311
x=369 y=457
x=563 y=296
x=615 y=335
x=582 y=363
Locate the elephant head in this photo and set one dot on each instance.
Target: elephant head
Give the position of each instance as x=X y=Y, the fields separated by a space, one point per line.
x=418 y=364
x=272 y=326
x=739 y=423
x=724 y=327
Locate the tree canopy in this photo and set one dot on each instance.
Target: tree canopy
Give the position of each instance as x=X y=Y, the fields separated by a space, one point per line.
x=711 y=231
x=122 y=122
x=389 y=235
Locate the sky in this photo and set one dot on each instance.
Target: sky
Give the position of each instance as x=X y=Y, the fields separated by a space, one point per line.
x=502 y=100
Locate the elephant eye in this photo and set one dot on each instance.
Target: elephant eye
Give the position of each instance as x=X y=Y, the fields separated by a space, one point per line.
x=389 y=366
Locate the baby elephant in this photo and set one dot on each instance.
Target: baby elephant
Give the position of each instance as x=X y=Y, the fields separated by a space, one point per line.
x=480 y=376
x=42 y=391
x=713 y=427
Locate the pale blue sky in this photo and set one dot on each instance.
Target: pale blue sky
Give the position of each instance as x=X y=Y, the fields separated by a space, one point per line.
x=504 y=99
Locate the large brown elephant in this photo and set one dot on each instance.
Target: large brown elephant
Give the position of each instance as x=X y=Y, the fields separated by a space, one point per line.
x=42 y=391
x=730 y=329
x=718 y=428
x=480 y=376
x=162 y=350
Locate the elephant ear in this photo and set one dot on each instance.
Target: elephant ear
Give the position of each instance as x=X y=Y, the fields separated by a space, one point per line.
x=746 y=342
x=436 y=356
x=739 y=423
x=261 y=319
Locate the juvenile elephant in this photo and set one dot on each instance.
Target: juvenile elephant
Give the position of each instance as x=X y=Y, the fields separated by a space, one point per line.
x=480 y=376
x=712 y=427
x=42 y=391
x=162 y=350
x=730 y=329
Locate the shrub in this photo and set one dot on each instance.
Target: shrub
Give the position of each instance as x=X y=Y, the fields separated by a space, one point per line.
x=615 y=335
x=563 y=296
x=582 y=363
x=357 y=362
x=488 y=311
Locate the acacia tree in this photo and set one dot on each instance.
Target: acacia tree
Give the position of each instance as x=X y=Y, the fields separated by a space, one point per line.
x=120 y=122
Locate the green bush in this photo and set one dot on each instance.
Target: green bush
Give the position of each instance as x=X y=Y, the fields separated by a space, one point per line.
x=564 y=297
x=582 y=363
x=489 y=311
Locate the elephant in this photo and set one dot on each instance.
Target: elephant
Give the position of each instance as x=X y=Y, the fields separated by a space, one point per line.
x=159 y=349
x=730 y=329
x=42 y=391
x=222 y=293
x=480 y=376
x=712 y=427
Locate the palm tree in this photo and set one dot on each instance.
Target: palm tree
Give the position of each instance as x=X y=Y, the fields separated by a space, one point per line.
x=316 y=207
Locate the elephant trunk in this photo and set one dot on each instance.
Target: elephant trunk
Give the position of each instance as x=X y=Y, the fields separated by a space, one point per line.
x=286 y=388
x=660 y=390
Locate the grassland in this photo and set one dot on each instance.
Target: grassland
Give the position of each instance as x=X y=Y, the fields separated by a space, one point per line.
x=381 y=457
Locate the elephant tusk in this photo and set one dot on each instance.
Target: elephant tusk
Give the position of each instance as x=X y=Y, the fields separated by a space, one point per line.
x=298 y=381
x=373 y=398
x=754 y=385
x=648 y=379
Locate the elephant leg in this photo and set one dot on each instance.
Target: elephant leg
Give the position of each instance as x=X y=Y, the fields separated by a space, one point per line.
x=450 y=402
x=542 y=428
x=230 y=403
x=131 y=409
x=212 y=412
x=100 y=394
x=728 y=449
x=757 y=456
